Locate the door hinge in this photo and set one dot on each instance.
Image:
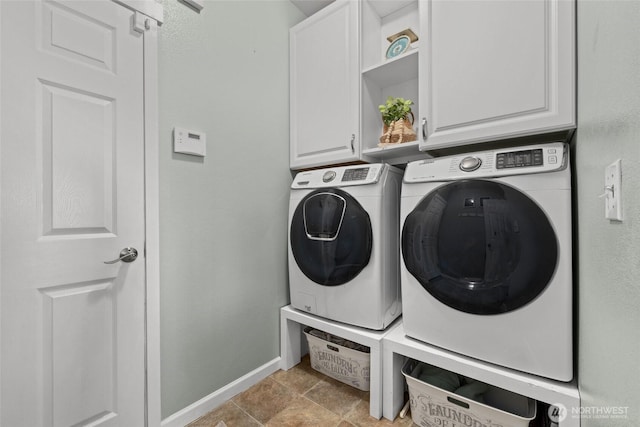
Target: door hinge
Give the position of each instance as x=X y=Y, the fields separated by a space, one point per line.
x=141 y=22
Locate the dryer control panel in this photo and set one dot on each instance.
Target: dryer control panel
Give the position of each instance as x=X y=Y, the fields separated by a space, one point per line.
x=492 y=163
x=339 y=176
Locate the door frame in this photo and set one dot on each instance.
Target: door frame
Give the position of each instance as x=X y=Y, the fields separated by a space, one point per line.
x=153 y=17
x=152 y=226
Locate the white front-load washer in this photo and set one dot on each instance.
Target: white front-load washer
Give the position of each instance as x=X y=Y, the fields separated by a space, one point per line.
x=344 y=255
x=487 y=258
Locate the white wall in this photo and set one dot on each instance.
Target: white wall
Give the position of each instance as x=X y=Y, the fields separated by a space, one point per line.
x=608 y=253
x=223 y=219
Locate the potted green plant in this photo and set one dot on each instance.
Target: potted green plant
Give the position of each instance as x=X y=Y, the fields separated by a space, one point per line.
x=398 y=121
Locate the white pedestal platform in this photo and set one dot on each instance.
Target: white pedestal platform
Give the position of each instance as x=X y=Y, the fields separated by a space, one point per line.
x=292 y=343
x=390 y=349
x=397 y=347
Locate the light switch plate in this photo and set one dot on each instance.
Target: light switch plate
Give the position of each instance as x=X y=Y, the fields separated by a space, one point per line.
x=613 y=191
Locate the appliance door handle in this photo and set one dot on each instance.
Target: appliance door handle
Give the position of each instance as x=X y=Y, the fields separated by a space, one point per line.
x=324 y=238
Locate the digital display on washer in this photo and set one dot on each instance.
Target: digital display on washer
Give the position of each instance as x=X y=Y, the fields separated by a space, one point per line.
x=355 y=174
x=519 y=159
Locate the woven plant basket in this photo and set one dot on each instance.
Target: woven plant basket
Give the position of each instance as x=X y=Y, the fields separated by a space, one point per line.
x=398 y=131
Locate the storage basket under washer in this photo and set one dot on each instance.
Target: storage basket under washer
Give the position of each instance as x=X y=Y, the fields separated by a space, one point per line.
x=339 y=359
x=432 y=406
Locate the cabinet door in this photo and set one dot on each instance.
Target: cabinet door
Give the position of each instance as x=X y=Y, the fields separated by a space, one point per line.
x=496 y=69
x=324 y=87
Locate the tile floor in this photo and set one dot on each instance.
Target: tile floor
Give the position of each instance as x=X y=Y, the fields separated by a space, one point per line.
x=298 y=397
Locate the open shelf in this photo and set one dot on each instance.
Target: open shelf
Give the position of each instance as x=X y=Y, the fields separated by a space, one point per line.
x=394 y=71
x=381 y=19
x=382 y=77
x=396 y=153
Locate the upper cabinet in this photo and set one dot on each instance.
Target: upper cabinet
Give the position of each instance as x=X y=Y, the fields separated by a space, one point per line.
x=494 y=70
x=480 y=71
x=324 y=87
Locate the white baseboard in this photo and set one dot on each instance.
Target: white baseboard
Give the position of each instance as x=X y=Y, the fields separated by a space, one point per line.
x=220 y=396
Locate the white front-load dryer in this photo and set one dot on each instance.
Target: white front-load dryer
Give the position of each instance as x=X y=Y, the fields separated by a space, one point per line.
x=487 y=258
x=344 y=255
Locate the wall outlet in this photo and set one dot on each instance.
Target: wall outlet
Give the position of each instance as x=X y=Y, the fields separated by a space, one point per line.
x=613 y=191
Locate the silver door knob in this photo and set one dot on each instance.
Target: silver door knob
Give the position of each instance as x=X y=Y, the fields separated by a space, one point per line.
x=126 y=255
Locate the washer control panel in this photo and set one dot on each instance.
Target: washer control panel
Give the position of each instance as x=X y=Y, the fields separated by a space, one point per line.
x=491 y=163
x=359 y=174
x=339 y=176
x=520 y=159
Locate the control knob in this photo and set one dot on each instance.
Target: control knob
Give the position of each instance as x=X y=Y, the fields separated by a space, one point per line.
x=470 y=163
x=328 y=176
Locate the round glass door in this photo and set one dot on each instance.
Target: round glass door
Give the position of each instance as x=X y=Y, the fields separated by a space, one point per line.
x=480 y=247
x=331 y=237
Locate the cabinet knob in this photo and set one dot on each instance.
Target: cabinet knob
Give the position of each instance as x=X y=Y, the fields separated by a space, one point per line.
x=353 y=139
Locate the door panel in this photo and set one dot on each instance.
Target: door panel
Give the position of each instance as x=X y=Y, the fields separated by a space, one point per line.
x=78 y=161
x=72 y=188
x=508 y=73
x=67 y=32
x=92 y=362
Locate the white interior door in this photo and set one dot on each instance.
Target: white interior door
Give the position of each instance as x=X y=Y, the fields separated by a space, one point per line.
x=72 y=185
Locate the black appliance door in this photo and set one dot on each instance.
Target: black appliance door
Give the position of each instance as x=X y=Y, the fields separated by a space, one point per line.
x=480 y=247
x=331 y=237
